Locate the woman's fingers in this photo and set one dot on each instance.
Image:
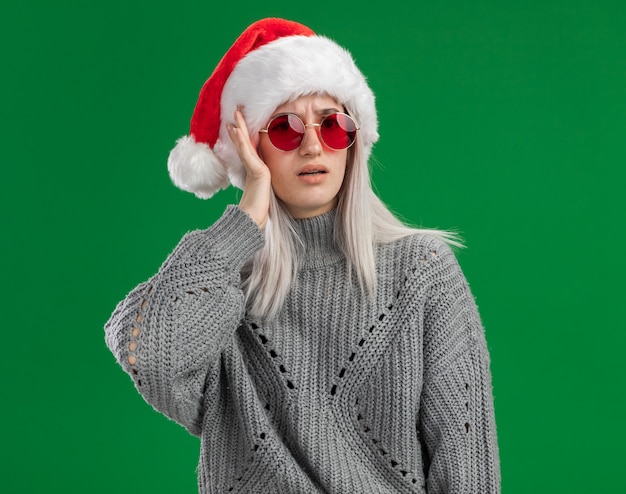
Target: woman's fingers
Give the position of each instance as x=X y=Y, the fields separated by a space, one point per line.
x=253 y=164
x=256 y=193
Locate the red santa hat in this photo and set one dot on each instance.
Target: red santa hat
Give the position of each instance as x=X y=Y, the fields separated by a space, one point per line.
x=272 y=62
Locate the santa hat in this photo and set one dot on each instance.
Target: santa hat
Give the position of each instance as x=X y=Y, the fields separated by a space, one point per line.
x=272 y=62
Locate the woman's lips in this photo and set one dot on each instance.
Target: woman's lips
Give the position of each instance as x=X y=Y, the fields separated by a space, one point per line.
x=312 y=174
x=309 y=170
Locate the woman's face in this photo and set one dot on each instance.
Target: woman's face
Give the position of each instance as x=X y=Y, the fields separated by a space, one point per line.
x=307 y=179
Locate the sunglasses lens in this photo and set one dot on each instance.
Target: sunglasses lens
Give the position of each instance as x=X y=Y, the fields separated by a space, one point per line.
x=285 y=132
x=338 y=131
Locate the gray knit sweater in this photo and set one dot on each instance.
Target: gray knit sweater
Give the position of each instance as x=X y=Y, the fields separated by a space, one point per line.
x=338 y=394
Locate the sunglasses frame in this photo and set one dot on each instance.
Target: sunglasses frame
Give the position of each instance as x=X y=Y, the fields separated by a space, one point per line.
x=305 y=125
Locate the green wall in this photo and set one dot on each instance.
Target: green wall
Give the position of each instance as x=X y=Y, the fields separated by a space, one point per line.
x=503 y=120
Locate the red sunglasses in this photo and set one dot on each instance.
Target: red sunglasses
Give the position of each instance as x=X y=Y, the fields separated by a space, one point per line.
x=336 y=130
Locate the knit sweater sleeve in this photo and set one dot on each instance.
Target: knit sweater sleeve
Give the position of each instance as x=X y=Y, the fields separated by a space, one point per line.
x=457 y=420
x=168 y=332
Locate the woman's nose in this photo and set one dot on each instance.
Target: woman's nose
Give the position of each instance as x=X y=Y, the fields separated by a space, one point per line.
x=311 y=144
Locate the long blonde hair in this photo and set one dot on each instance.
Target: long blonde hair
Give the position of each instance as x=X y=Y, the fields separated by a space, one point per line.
x=362 y=221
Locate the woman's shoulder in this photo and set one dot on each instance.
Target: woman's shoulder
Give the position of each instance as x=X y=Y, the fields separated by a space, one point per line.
x=419 y=244
x=419 y=263
x=422 y=256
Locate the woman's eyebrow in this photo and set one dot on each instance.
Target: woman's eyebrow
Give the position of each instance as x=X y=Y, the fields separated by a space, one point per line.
x=323 y=112
x=327 y=111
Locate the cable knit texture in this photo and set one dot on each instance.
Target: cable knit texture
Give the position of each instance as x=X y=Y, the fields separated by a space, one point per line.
x=339 y=393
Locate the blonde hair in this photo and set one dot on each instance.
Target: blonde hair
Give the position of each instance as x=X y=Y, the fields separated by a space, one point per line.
x=362 y=221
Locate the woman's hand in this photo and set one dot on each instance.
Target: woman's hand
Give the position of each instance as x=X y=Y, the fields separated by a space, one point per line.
x=256 y=193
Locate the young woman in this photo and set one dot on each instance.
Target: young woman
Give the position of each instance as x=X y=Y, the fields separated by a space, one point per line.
x=313 y=342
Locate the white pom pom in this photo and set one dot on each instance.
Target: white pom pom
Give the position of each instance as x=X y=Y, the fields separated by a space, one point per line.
x=195 y=168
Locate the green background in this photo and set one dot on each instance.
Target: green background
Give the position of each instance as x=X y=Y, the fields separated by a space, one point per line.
x=503 y=120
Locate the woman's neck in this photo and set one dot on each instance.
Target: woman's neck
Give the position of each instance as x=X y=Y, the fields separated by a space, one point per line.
x=318 y=238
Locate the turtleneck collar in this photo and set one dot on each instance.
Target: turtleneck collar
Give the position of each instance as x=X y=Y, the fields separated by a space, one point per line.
x=317 y=234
